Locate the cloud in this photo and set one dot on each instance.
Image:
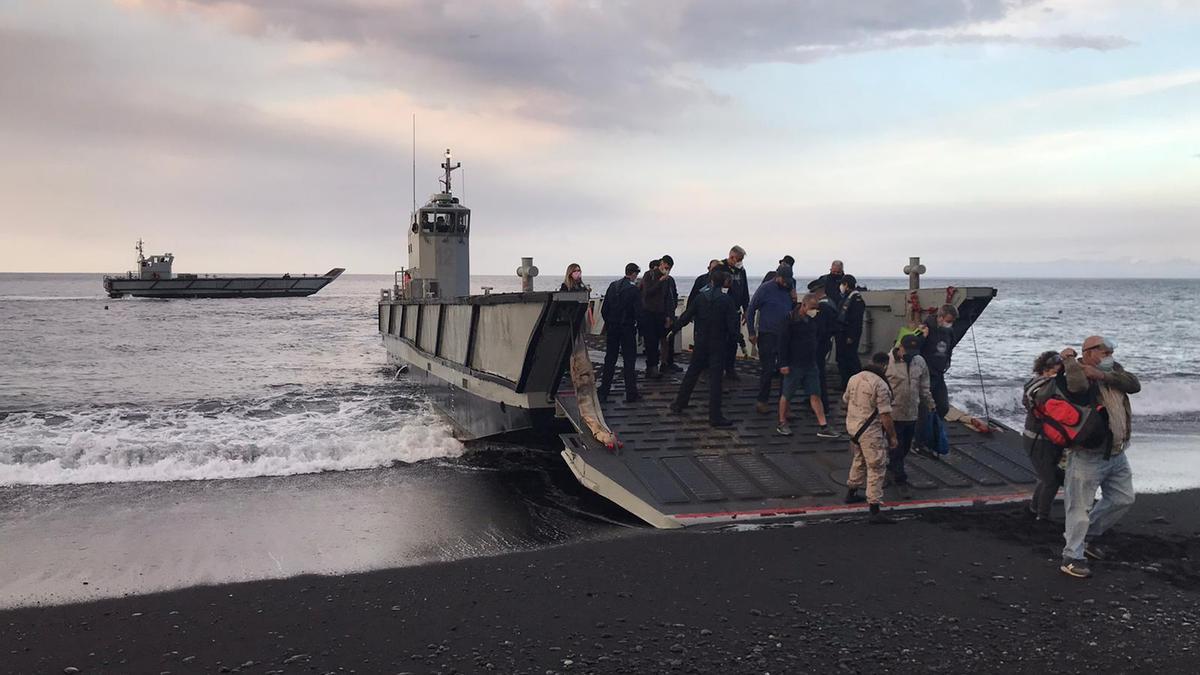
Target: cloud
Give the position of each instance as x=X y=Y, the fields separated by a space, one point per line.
x=628 y=63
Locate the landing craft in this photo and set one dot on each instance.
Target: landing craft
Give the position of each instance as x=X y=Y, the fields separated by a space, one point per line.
x=502 y=362
x=155 y=279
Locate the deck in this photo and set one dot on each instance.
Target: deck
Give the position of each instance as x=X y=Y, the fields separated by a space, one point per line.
x=676 y=470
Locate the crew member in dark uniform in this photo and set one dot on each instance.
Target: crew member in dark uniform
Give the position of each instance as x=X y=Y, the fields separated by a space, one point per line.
x=668 y=342
x=850 y=327
x=739 y=292
x=716 y=319
x=622 y=304
x=701 y=282
x=831 y=283
x=653 y=320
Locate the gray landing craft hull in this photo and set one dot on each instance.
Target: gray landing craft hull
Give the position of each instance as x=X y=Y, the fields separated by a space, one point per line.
x=492 y=364
x=219 y=287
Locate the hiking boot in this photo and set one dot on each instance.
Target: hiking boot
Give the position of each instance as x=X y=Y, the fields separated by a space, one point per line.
x=852 y=497
x=1075 y=568
x=826 y=432
x=721 y=423
x=878 y=518
x=1093 y=551
x=762 y=408
x=905 y=492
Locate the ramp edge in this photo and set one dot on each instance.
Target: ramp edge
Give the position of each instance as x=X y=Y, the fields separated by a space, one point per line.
x=609 y=489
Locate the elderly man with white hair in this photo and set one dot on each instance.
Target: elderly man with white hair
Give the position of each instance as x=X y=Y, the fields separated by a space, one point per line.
x=1105 y=386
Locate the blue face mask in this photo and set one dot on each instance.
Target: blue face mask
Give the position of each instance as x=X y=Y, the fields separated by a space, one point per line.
x=1106 y=364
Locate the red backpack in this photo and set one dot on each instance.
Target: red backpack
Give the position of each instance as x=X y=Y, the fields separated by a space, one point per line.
x=1070 y=425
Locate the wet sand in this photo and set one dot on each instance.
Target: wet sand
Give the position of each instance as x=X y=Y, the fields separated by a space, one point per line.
x=943 y=591
x=71 y=543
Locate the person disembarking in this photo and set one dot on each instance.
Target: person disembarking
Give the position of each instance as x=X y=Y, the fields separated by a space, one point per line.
x=1045 y=454
x=868 y=401
x=909 y=377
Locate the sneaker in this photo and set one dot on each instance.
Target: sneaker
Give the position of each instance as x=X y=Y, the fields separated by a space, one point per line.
x=1093 y=551
x=762 y=408
x=723 y=422
x=783 y=430
x=826 y=432
x=1075 y=568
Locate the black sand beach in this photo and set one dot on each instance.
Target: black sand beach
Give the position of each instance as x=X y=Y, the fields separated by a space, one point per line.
x=943 y=591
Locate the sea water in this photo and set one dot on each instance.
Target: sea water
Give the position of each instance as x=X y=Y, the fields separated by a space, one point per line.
x=96 y=390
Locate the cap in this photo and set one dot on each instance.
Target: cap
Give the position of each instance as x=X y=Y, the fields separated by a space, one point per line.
x=785 y=272
x=788 y=260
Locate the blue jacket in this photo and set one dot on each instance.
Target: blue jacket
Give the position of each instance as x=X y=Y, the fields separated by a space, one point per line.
x=772 y=305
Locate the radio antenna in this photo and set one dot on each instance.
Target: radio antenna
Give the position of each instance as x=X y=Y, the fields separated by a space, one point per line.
x=414 y=164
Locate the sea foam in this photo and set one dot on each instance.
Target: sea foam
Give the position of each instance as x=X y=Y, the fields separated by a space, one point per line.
x=267 y=437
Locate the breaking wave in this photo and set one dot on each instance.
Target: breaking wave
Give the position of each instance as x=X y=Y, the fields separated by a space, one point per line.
x=278 y=435
x=1161 y=399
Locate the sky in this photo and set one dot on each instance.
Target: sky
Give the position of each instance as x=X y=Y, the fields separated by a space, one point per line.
x=989 y=137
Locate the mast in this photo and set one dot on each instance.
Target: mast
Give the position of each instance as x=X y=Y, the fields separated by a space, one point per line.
x=448 y=168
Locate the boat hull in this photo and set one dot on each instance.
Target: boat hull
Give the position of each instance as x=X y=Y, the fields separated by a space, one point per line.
x=218 y=287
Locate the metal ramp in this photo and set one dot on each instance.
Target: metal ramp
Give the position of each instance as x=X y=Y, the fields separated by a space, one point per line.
x=676 y=470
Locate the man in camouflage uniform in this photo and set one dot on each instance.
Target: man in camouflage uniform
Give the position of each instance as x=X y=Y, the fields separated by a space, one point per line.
x=868 y=401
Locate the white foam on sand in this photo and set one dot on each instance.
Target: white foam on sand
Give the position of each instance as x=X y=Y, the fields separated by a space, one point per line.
x=118 y=444
x=1165 y=462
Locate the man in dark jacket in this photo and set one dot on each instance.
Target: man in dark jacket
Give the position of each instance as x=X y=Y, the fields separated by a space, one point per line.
x=831 y=283
x=937 y=346
x=653 y=320
x=716 y=320
x=622 y=304
x=766 y=320
x=668 y=341
x=739 y=292
x=827 y=326
x=850 y=327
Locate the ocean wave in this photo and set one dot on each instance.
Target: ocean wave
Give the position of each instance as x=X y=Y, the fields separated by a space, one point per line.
x=214 y=440
x=1170 y=397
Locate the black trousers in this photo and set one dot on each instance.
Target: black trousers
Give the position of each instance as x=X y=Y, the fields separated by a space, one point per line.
x=653 y=327
x=941 y=397
x=622 y=340
x=768 y=361
x=714 y=362
x=904 y=434
x=824 y=345
x=668 y=347
x=1045 y=457
x=847 y=359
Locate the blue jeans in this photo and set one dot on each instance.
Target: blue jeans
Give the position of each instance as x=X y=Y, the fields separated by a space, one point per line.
x=1085 y=472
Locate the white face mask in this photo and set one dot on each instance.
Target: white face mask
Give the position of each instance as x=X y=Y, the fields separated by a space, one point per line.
x=1106 y=364
x=812 y=313
x=737 y=265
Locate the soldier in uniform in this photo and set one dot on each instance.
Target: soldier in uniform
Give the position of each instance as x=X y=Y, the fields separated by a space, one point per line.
x=622 y=304
x=868 y=401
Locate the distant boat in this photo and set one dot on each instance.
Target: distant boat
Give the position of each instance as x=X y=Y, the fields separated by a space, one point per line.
x=154 y=279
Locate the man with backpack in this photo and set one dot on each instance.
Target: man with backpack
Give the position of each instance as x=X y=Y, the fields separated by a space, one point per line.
x=868 y=400
x=1095 y=464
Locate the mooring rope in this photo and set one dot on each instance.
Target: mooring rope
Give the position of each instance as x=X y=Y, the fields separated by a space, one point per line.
x=979 y=367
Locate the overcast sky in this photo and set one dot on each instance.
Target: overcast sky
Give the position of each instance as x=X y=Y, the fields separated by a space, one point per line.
x=987 y=136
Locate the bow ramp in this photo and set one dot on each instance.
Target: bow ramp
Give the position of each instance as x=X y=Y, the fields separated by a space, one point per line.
x=676 y=471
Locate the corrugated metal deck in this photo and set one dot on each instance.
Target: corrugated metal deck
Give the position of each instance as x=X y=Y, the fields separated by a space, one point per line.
x=676 y=470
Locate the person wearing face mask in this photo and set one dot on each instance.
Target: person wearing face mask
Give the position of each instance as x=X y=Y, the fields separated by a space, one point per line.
x=798 y=365
x=831 y=283
x=908 y=376
x=573 y=281
x=937 y=346
x=1097 y=375
x=739 y=292
x=849 y=328
x=1045 y=455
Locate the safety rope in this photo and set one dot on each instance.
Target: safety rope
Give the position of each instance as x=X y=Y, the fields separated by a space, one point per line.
x=987 y=415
